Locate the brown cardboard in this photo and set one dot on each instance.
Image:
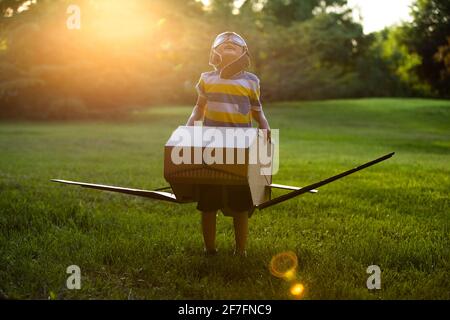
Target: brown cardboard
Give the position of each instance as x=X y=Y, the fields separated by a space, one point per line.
x=234 y=163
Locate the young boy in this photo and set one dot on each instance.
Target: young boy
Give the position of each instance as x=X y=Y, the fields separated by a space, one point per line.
x=227 y=97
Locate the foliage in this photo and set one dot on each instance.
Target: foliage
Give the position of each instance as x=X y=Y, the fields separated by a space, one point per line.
x=428 y=36
x=315 y=59
x=387 y=67
x=137 y=53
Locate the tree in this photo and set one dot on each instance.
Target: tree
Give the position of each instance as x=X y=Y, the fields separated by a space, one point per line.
x=386 y=67
x=428 y=36
x=312 y=59
x=285 y=12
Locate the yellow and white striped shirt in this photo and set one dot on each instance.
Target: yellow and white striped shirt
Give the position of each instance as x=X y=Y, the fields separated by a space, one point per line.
x=229 y=101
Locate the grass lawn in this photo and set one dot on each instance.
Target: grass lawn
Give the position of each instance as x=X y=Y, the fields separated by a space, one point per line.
x=395 y=215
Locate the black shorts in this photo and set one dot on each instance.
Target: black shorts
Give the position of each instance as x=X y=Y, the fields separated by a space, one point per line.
x=236 y=198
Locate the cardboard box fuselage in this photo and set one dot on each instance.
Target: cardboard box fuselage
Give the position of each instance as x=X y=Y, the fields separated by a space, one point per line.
x=201 y=155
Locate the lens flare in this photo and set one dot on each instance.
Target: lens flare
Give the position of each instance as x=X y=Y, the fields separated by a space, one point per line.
x=289 y=275
x=283 y=265
x=297 y=290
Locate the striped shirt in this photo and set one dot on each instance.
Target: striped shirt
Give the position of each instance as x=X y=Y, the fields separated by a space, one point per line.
x=229 y=102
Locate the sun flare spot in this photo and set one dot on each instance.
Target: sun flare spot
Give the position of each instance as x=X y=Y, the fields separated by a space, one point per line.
x=297 y=290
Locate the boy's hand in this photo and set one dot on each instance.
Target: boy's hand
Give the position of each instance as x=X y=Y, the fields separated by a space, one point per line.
x=263 y=124
x=267 y=134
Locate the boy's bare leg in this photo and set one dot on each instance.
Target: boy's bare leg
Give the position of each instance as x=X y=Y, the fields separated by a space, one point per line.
x=209 y=230
x=240 y=220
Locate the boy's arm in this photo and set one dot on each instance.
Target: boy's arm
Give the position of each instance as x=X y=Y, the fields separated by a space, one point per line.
x=260 y=118
x=198 y=112
x=257 y=111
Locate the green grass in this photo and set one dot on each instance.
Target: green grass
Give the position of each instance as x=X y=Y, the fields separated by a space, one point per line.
x=395 y=214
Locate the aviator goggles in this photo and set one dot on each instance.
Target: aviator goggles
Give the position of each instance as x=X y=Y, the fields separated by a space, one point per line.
x=229 y=37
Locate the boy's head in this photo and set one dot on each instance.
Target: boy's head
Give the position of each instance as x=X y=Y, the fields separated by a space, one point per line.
x=229 y=54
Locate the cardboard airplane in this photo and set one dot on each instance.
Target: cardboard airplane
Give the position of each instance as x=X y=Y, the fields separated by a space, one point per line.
x=191 y=160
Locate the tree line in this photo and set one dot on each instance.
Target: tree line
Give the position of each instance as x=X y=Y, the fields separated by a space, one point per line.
x=136 y=53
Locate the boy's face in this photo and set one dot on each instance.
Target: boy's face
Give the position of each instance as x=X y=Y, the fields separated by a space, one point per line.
x=229 y=51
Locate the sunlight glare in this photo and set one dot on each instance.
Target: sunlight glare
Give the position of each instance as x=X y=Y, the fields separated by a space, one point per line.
x=379 y=14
